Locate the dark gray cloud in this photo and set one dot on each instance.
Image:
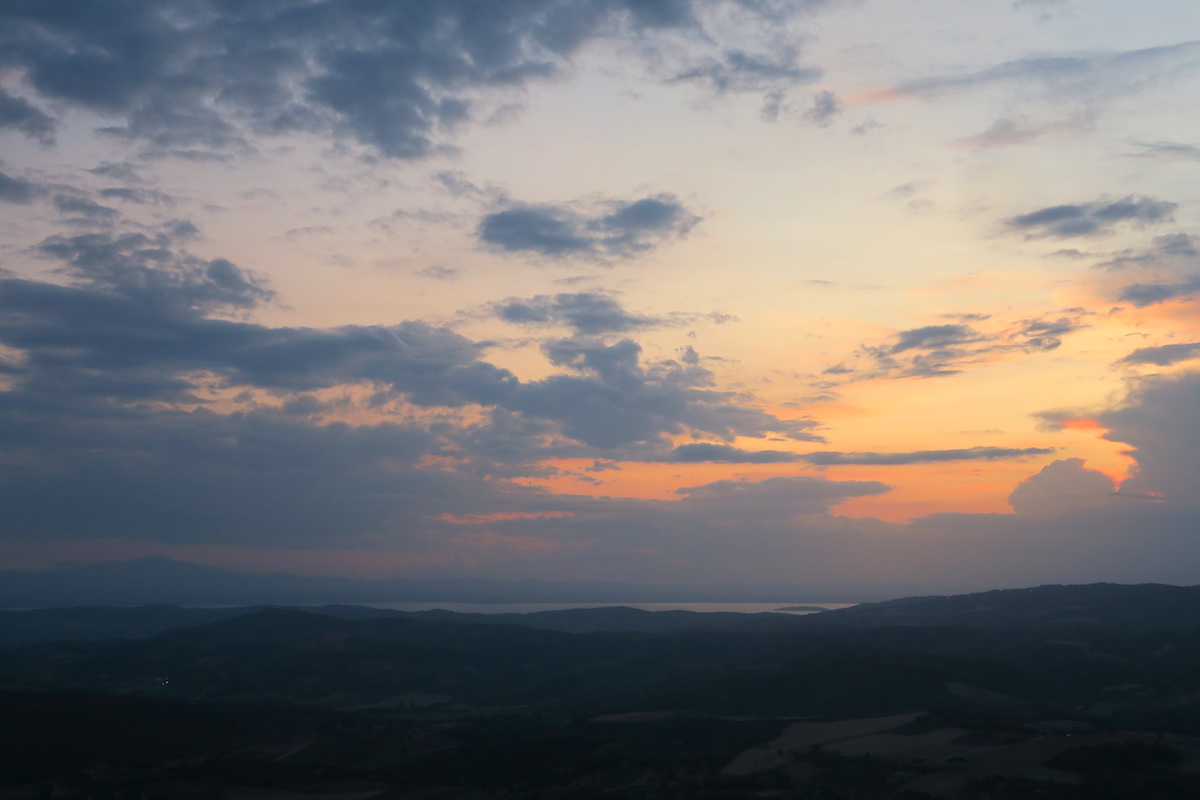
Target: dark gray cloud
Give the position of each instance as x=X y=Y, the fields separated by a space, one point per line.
x=826 y=105
x=619 y=230
x=1062 y=488
x=727 y=454
x=1092 y=219
x=1152 y=293
x=614 y=400
x=16 y=190
x=1160 y=421
x=138 y=195
x=197 y=77
x=589 y=313
x=934 y=337
x=21 y=115
x=1163 y=250
x=1170 y=268
x=141 y=320
x=151 y=269
x=80 y=209
x=940 y=350
x=1045 y=334
x=833 y=458
x=701 y=452
x=1163 y=355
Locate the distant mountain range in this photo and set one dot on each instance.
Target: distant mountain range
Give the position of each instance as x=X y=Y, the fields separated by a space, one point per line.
x=157 y=580
x=1052 y=652
x=1095 y=608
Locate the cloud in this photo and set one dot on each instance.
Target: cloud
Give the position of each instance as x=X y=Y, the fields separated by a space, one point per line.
x=1006 y=132
x=1160 y=420
x=589 y=313
x=1091 y=77
x=16 y=190
x=137 y=195
x=438 y=273
x=739 y=71
x=947 y=349
x=200 y=79
x=727 y=454
x=152 y=269
x=1174 y=151
x=1171 y=247
x=826 y=105
x=614 y=400
x=618 y=230
x=1163 y=355
x=1169 y=270
x=832 y=458
x=142 y=320
x=1061 y=488
x=772 y=498
x=20 y=115
x=83 y=210
x=1092 y=219
x=1148 y=294
x=934 y=336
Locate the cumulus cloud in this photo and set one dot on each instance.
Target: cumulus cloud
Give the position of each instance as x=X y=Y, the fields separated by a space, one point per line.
x=1092 y=219
x=199 y=78
x=589 y=313
x=1163 y=355
x=614 y=399
x=618 y=230
x=152 y=268
x=1062 y=487
x=1159 y=420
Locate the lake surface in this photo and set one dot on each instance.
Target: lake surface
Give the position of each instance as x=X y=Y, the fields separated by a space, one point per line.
x=526 y=608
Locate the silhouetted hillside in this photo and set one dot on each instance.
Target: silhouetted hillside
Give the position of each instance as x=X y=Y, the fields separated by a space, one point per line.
x=156 y=581
x=1102 y=606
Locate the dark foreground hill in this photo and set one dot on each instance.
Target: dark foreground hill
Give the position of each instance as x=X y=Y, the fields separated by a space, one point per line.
x=1055 y=692
x=1097 y=606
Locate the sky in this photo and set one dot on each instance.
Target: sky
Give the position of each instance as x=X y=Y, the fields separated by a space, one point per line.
x=837 y=293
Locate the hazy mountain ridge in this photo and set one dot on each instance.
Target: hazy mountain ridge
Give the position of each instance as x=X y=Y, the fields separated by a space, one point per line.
x=802 y=666
x=1102 y=607
x=157 y=580
x=1108 y=606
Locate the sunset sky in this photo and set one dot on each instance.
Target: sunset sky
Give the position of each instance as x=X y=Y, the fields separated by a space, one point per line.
x=878 y=293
